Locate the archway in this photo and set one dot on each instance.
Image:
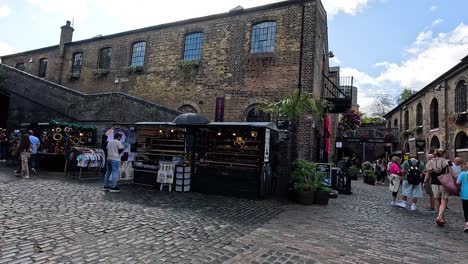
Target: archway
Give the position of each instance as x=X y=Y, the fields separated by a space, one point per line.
x=256 y=115
x=188 y=109
x=4 y=107
x=435 y=144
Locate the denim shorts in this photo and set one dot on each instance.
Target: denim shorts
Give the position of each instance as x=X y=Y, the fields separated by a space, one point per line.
x=411 y=190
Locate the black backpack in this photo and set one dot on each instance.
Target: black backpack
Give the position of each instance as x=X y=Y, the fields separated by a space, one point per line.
x=414 y=173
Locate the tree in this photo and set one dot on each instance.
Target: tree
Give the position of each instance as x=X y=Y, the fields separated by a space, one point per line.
x=405 y=94
x=383 y=103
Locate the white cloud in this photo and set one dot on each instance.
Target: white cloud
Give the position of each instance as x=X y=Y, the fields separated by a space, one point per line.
x=437 y=21
x=77 y=9
x=335 y=61
x=4 y=10
x=433 y=8
x=350 y=7
x=429 y=56
x=6 y=49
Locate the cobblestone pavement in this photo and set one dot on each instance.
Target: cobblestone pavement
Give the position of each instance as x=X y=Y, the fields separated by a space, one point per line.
x=55 y=220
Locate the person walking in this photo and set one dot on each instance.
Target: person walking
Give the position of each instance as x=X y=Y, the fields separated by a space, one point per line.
x=114 y=148
x=24 y=150
x=395 y=178
x=412 y=179
x=436 y=167
x=462 y=180
x=457 y=164
x=428 y=186
x=35 y=146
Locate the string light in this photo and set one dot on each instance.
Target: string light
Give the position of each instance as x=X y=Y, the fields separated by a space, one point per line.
x=160 y=131
x=234 y=134
x=219 y=133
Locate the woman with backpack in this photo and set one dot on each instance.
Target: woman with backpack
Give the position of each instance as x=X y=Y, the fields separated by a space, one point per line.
x=395 y=178
x=412 y=179
x=463 y=182
x=436 y=167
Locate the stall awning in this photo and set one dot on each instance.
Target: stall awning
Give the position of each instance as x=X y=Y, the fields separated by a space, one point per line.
x=155 y=124
x=190 y=119
x=249 y=124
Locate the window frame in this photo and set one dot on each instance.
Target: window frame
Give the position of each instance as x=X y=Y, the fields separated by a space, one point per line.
x=101 y=65
x=395 y=123
x=434 y=113
x=255 y=47
x=42 y=72
x=20 y=66
x=419 y=115
x=406 y=120
x=461 y=97
x=198 y=50
x=76 y=68
x=134 y=54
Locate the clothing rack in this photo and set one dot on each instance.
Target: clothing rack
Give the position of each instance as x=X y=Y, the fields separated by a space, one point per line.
x=85 y=163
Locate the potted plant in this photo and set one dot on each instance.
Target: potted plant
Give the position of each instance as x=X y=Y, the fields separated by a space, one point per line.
x=365 y=167
x=406 y=134
x=354 y=171
x=458 y=118
x=308 y=184
x=370 y=175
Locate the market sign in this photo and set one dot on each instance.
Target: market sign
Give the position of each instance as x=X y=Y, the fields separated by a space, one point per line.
x=326 y=169
x=267 y=145
x=339 y=144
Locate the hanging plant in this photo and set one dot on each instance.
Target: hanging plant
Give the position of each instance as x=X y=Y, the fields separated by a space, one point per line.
x=457 y=118
x=351 y=119
x=406 y=134
x=100 y=73
x=134 y=69
x=187 y=68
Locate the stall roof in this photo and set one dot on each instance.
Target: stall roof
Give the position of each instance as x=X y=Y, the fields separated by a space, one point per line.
x=155 y=124
x=250 y=124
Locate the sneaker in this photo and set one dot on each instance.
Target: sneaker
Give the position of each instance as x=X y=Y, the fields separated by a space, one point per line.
x=414 y=207
x=24 y=177
x=402 y=204
x=466 y=229
x=106 y=188
x=393 y=203
x=33 y=170
x=115 y=189
x=16 y=173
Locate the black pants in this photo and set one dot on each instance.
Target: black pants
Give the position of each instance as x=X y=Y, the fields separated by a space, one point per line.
x=465 y=209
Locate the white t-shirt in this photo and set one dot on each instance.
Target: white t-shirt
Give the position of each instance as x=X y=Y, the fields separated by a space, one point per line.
x=113 y=147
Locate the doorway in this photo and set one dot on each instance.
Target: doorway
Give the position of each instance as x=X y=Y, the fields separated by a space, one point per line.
x=4 y=107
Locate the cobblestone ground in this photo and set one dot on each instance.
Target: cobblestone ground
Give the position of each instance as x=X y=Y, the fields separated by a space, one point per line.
x=50 y=219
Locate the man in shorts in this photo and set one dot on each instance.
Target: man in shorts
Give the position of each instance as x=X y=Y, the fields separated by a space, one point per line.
x=409 y=188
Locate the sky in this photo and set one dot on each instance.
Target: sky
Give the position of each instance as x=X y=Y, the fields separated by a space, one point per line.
x=386 y=45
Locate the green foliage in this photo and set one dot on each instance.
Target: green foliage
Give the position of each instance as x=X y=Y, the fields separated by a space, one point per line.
x=354 y=170
x=134 y=69
x=295 y=105
x=351 y=119
x=100 y=73
x=366 y=166
x=405 y=94
x=306 y=178
x=406 y=134
x=74 y=126
x=72 y=76
x=187 y=67
x=372 y=119
x=382 y=104
x=369 y=174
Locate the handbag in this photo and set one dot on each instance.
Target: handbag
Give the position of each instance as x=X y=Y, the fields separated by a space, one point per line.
x=449 y=183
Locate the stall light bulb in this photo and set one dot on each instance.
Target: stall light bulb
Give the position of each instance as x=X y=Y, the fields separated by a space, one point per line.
x=160 y=131
x=219 y=133
x=172 y=130
x=81 y=134
x=234 y=134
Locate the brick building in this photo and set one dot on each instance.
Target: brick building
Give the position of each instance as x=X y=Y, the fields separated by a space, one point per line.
x=435 y=117
x=221 y=66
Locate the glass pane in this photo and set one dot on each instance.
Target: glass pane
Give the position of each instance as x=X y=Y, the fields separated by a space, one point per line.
x=77 y=59
x=263 y=37
x=105 y=58
x=193 y=46
x=138 y=54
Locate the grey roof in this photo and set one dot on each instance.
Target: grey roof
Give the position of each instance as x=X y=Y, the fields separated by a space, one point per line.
x=155 y=124
x=269 y=125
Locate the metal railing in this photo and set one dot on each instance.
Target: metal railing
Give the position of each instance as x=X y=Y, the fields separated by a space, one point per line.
x=385 y=134
x=335 y=88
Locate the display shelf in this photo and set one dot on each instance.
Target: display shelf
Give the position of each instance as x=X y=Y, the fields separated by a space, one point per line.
x=229 y=164
x=233 y=154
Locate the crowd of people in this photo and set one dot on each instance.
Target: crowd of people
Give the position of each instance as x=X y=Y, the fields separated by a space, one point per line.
x=412 y=177
x=23 y=148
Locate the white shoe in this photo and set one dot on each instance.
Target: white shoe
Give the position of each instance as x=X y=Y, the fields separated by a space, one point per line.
x=393 y=203
x=414 y=207
x=34 y=171
x=402 y=204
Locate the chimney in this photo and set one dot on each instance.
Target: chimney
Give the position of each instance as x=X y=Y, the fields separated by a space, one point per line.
x=66 y=35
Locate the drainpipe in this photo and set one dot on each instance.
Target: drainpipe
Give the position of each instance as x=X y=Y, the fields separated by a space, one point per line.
x=446 y=130
x=299 y=84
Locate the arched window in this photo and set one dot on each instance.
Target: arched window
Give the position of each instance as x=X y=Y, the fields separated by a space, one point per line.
x=42 y=68
x=435 y=143
x=187 y=109
x=263 y=37
x=406 y=120
x=193 y=46
x=395 y=123
x=461 y=97
x=138 y=54
x=434 y=113
x=77 y=61
x=389 y=124
x=257 y=115
x=461 y=141
x=419 y=115
x=105 y=58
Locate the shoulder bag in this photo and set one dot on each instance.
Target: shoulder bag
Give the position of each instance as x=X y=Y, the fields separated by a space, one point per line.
x=449 y=183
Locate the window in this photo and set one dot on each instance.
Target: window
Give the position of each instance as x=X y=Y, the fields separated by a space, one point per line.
x=406 y=120
x=419 y=115
x=395 y=123
x=77 y=61
x=461 y=141
x=20 y=66
x=461 y=97
x=138 y=54
x=187 y=109
x=263 y=37
x=435 y=144
x=105 y=58
x=193 y=46
x=42 y=68
x=434 y=113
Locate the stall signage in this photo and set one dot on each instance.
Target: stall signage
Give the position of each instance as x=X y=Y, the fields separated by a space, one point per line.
x=219 y=115
x=339 y=144
x=267 y=145
x=326 y=169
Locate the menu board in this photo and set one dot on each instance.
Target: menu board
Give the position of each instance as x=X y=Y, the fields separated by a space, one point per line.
x=326 y=169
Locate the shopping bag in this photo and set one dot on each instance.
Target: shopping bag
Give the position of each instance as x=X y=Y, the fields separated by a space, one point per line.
x=449 y=183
